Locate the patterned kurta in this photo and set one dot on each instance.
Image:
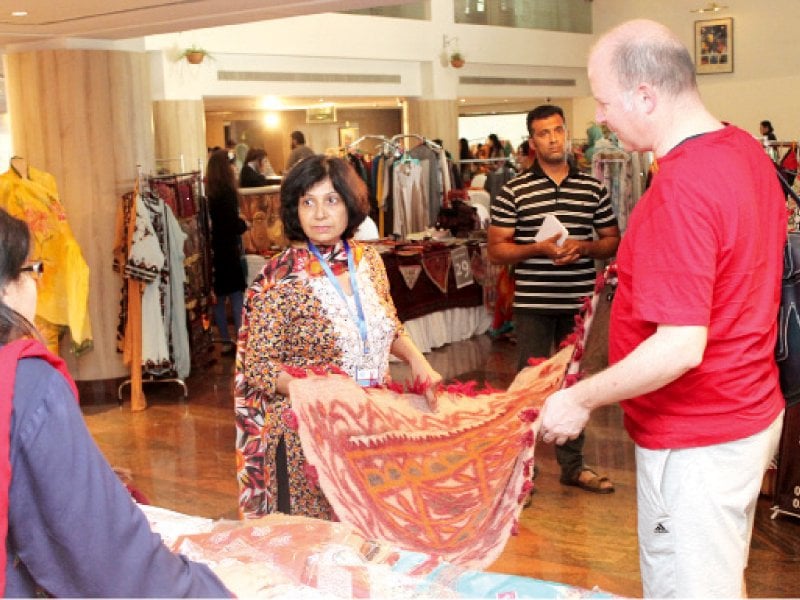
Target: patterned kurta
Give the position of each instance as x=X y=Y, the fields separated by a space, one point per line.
x=293 y=316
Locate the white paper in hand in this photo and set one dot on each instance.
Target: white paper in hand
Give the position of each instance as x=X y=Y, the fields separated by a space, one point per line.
x=550 y=227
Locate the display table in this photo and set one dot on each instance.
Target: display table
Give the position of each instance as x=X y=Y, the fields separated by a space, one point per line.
x=282 y=556
x=434 y=313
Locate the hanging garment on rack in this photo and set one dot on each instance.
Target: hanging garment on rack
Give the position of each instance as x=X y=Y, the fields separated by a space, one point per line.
x=154 y=256
x=612 y=167
x=434 y=181
x=383 y=174
x=410 y=211
x=176 y=317
x=183 y=194
x=179 y=192
x=63 y=297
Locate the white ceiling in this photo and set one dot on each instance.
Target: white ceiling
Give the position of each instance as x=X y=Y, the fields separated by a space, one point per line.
x=49 y=21
x=120 y=19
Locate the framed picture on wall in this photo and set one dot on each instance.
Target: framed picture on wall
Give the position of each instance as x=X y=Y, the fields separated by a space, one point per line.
x=321 y=114
x=348 y=135
x=713 y=46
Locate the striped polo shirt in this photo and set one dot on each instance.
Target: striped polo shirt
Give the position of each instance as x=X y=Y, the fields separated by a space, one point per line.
x=582 y=204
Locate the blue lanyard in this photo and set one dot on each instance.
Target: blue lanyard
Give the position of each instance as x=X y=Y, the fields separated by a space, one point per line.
x=361 y=321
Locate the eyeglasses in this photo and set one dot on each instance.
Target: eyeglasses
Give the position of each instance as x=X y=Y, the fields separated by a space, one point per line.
x=36 y=269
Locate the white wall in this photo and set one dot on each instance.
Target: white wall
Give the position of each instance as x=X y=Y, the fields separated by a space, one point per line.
x=764 y=84
x=338 y=43
x=766 y=77
x=507 y=127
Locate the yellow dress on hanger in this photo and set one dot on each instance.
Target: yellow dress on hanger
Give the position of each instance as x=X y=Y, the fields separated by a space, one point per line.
x=64 y=287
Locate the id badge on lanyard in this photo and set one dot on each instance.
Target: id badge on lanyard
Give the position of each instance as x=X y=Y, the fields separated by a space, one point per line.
x=367 y=377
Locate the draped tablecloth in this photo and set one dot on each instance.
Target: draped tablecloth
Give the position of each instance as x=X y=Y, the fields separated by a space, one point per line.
x=425 y=297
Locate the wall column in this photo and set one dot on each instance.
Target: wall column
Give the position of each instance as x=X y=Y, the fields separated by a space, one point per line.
x=435 y=119
x=180 y=130
x=85 y=116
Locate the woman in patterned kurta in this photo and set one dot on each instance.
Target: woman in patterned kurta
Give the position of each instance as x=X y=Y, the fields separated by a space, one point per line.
x=298 y=316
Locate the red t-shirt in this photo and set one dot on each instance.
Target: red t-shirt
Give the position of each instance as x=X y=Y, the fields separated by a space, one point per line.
x=704 y=247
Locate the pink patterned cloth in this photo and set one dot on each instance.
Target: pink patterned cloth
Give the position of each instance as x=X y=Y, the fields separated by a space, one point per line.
x=447 y=483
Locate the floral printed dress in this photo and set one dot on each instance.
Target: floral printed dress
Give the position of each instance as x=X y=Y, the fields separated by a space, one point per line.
x=294 y=316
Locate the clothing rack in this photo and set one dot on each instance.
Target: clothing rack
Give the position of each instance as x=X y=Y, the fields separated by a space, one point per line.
x=428 y=142
x=778 y=144
x=134 y=307
x=135 y=291
x=388 y=146
x=150 y=379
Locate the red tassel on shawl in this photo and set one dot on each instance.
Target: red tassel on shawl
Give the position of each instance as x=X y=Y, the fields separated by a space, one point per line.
x=526 y=488
x=488 y=389
x=468 y=388
x=395 y=387
x=417 y=386
x=599 y=283
x=586 y=307
x=528 y=439
x=535 y=360
x=570 y=340
x=527 y=468
x=571 y=379
x=529 y=415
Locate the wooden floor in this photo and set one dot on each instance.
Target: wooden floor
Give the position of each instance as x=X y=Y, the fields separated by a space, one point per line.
x=181 y=455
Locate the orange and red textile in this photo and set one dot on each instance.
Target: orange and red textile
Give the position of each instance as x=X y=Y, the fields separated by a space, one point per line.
x=447 y=483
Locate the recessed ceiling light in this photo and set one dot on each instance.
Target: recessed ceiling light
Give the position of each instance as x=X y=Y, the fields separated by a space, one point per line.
x=19 y=13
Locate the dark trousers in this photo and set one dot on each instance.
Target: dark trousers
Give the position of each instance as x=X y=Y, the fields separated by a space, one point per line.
x=538 y=336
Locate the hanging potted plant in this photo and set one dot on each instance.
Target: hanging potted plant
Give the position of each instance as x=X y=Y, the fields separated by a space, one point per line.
x=194 y=55
x=457 y=60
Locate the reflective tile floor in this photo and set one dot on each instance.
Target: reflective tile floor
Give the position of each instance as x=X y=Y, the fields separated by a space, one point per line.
x=181 y=455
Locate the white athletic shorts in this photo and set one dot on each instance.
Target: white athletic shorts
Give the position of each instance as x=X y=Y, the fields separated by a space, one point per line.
x=695 y=514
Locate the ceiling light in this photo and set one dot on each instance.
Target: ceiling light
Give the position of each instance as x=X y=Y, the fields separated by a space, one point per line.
x=271 y=120
x=19 y=13
x=271 y=103
x=712 y=7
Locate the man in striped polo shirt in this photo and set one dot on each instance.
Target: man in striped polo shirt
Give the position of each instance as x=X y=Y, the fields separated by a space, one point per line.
x=552 y=279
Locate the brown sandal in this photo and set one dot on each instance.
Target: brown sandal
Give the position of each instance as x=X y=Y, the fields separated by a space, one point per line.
x=597 y=484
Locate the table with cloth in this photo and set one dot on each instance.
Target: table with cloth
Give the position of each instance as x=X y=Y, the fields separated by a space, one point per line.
x=283 y=556
x=423 y=284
